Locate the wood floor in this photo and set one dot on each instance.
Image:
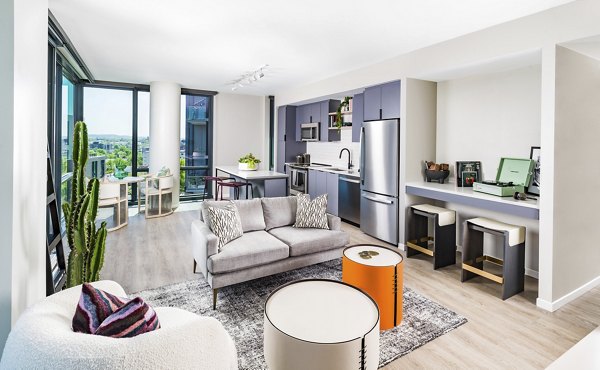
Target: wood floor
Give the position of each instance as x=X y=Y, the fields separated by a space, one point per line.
x=499 y=335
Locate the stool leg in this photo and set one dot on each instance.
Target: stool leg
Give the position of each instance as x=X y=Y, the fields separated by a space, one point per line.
x=472 y=248
x=513 y=269
x=444 y=238
x=419 y=229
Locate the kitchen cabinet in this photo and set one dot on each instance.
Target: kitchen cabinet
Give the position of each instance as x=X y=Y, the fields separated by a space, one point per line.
x=288 y=139
x=332 y=193
x=315 y=112
x=357 y=116
x=321 y=182
x=382 y=101
x=328 y=106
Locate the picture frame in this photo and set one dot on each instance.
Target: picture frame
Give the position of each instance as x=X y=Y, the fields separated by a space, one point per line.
x=467 y=172
x=534 y=186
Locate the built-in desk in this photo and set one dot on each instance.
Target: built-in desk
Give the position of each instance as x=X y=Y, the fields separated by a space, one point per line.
x=452 y=193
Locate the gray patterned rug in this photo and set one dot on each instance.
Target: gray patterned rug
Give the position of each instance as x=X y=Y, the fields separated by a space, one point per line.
x=240 y=310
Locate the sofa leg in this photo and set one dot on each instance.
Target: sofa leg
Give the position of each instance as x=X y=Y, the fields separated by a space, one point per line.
x=215 y=291
x=195 y=265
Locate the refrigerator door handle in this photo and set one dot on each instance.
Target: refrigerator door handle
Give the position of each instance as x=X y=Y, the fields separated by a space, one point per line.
x=362 y=155
x=378 y=200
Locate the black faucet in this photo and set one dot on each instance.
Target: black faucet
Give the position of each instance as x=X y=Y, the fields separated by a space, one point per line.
x=349 y=157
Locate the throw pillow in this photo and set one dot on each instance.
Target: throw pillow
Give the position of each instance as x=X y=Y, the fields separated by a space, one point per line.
x=133 y=318
x=225 y=223
x=312 y=213
x=94 y=307
x=102 y=313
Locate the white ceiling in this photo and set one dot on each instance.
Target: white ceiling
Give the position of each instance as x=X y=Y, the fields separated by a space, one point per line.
x=207 y=44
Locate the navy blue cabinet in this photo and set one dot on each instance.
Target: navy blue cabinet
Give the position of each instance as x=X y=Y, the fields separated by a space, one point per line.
x=357 y=116
x=315 y=112
x=332 y=192
x=287 y=145
x=382 y=101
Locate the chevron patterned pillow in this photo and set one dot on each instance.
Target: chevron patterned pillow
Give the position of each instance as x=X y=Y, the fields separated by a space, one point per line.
x=225 y=223
x=311 y=213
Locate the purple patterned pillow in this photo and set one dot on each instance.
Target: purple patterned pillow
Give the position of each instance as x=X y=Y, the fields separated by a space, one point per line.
x=102 y=313
x=94 y=307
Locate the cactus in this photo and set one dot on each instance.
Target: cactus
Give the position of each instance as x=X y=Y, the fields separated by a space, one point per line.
x=86 y=242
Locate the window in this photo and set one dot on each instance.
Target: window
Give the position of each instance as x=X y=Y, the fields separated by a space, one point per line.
x=108 y=114
x=195 y=146
x=143 y=131
x=67 y=124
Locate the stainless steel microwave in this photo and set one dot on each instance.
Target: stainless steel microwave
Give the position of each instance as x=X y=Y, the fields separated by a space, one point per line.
x=309 y=131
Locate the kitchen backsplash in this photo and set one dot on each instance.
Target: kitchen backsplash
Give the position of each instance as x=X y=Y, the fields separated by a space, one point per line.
x=329 y=152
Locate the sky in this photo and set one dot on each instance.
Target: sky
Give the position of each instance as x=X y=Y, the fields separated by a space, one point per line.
x=110 y=112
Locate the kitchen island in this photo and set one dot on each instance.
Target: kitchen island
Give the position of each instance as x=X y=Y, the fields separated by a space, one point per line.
x=264 y=183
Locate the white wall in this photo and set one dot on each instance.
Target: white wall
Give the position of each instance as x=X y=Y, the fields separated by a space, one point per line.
x=484 y=118
x=23 y=116
x=239 y=128
x=577 y=176
x=329 y=152
x=165 y=110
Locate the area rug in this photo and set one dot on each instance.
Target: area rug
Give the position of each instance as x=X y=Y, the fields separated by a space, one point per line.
x=240 y=309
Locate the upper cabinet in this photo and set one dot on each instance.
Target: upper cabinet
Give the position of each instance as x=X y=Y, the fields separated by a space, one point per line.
x=357 y=116
x=327 y=107
x=315 y=112
x=318 y=112
x=382 y=102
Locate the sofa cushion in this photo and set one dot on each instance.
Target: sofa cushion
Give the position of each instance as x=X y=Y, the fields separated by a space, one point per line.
x=306 y=241
x=225 y=223
x=279 y=211
x=251 y=249
x=312 y=213
x=250 y=210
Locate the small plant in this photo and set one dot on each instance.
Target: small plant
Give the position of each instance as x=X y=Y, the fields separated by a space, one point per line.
x=250 y=160
x=338 y=117
x=87 y=244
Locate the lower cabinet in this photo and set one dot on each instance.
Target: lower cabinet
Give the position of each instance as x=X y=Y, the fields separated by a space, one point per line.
x=321 y=182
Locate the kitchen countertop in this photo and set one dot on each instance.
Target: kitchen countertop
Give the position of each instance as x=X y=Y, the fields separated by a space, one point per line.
x=352 y=173
x=251 y=175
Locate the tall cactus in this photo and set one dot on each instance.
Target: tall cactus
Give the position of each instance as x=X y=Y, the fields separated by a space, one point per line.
x=86 y=242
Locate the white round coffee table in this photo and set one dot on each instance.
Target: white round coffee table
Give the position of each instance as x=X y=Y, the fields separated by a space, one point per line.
x=321 y=324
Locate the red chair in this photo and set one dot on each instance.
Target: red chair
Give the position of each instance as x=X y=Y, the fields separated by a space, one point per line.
x=236 y=185
x=217 y=180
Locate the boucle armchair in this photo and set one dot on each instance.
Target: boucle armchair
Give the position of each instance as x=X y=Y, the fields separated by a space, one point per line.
x=42 y=338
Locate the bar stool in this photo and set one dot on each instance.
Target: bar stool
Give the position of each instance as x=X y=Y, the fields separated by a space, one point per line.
x=444 y=234
x=513 y=265
x=236 y=185
x=217 y=181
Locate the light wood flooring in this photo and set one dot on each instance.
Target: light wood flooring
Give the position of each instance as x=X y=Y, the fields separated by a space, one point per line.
x=511 y=334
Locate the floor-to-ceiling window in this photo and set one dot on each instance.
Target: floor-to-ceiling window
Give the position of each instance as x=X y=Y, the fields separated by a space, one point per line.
x=67 y=123
x=195 y=146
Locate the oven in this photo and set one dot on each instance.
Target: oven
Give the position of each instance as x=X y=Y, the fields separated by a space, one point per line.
x=309 y=131
x=298 y=180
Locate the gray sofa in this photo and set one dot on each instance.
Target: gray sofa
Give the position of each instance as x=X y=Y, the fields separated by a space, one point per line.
x=270 y=244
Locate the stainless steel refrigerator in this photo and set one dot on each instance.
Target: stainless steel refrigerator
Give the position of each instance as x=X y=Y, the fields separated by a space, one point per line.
x=379 y=158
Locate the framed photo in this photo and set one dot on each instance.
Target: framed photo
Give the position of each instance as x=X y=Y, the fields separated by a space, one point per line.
x=467 y=172
x=534 y=187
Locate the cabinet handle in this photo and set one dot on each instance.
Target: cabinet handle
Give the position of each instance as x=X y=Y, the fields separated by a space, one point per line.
x=380 y=113
x=284 y=137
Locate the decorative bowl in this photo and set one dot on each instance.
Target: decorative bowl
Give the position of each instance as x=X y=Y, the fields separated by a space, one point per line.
x=437 y=176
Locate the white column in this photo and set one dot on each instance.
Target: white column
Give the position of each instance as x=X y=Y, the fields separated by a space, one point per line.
x=165 y=111
x=23 y=113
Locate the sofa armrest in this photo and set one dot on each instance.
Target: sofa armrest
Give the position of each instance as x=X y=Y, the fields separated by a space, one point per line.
x=204 y=245
x=334 y=222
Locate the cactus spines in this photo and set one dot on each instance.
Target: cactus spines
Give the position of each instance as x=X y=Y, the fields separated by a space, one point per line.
x=87 y=244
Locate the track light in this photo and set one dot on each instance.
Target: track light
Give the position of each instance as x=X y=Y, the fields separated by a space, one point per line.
x=249 y=77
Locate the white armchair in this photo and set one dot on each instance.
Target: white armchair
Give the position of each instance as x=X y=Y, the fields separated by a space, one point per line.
x=43 y=338
x=159 y=196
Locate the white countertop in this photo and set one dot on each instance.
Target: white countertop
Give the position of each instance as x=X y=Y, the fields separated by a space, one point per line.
x=351 y=173
x=452 y=193
x=251 y=175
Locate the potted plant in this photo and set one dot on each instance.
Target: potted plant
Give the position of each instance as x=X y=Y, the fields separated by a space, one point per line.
x=87 y=242
x=248 y=163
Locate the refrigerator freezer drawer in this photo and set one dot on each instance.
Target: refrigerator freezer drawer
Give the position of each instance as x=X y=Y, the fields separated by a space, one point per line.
x=379 y=216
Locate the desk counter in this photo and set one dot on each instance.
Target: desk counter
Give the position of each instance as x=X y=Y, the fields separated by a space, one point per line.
x=454 y=194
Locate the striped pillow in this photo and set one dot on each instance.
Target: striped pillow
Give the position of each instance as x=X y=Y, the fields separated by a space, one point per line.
x=102 y=313
x=225 y=223
x=311 y=213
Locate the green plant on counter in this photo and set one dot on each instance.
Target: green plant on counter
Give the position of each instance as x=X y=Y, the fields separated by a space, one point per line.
x=250 y=160
x=87 y=244
x=338 y=117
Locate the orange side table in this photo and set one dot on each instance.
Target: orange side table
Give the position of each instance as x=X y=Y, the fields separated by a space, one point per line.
x=378 y=272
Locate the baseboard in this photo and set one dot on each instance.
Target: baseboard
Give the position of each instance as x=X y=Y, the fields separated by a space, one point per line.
x=567 y=298
x=534 y=274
